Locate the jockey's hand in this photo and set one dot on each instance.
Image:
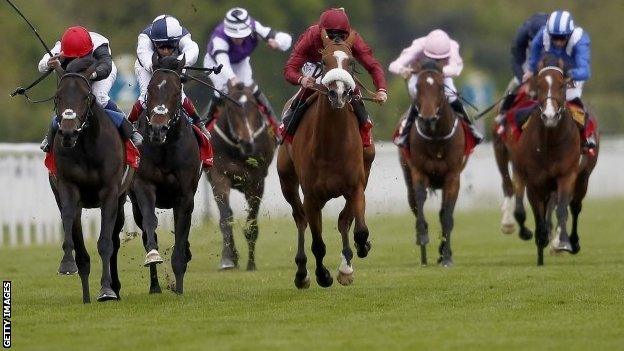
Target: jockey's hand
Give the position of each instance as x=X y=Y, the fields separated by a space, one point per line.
x=406 y=72
x=381 y=96
x=307 y=82
x=272 y=43
x=527 y=75
x=54 y=61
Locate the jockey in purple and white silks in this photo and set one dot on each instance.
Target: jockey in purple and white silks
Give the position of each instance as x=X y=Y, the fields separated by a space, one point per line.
x=165 y=36
x=560 y=37
x=439 y=47
x=231 y=44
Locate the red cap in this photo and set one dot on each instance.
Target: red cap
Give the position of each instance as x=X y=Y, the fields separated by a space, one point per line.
x=76 y=42
x=335 y=19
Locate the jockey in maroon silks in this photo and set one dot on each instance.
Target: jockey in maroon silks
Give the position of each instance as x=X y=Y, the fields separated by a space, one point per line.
x=307 y=51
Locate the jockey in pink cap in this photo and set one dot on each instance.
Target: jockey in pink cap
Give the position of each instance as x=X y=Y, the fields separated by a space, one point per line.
x=435 y=46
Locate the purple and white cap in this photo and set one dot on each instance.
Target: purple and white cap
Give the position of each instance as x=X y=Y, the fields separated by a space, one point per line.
x=237 y=23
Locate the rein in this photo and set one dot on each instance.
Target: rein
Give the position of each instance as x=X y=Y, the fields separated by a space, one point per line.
x=176 y=115
x=90 y=101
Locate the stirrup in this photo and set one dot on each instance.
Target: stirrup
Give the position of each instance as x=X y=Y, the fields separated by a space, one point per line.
x=136 y=138
x=45 y=145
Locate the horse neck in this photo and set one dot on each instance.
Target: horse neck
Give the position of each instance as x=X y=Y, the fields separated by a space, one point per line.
x=560 y=135
x=330 y=124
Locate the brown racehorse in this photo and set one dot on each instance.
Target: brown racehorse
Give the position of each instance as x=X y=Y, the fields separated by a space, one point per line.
x=243 y=151
x=436 y=158
x=327 y=160
x=549 y=163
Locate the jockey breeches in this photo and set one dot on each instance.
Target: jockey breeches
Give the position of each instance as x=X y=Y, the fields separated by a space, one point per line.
x=101 y=88
x=449 y=90
x=576 y=91
x=143 y=77
x=242 y=70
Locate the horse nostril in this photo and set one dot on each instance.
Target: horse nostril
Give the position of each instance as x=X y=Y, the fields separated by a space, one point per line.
x=333 y=94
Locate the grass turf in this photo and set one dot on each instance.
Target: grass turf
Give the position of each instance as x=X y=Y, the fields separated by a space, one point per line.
x=495 y=297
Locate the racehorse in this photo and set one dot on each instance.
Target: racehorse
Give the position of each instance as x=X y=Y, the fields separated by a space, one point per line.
x=326 y=158
x=435 y=158
x=548 y=160
x=170 y=169
x=243 y=151
x=90 y=173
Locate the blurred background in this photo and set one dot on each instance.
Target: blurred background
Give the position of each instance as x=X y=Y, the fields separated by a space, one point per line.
x=484 y=30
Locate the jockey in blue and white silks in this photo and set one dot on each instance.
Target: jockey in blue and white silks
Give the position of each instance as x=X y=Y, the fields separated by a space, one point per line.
x=231 y=44
x=560 y=37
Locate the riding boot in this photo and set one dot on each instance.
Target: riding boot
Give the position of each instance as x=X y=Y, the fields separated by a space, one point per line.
x=46 y=144
x=137 y=109
x=589 y=141
x=459 y=108
x=128 y=132
x=364 y=121
x=189 y=108
x=403 y=138
x=211 y=108
x=268 y=112
x=292 y=118
x=505 y=106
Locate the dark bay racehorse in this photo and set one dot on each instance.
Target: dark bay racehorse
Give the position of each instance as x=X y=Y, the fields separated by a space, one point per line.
x=549 y=163
x=436 y=158
x=243 y=151
x=170 y=169
x=89 y=157
x=326 y=159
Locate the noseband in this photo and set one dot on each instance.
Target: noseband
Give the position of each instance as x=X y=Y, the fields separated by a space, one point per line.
x=161 y=109
x=90 y=99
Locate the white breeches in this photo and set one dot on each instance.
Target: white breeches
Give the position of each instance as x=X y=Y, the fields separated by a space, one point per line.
x=576 y=91
x=101 y=88
x=449 y=90
x=143 y=77
x=242 y=70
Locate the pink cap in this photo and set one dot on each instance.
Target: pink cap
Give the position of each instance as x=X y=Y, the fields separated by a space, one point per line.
x=437 y=44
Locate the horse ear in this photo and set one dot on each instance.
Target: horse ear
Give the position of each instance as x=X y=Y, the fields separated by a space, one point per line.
x=89 y=71
x=181 y=62
x=325 y=38
x=155 y=59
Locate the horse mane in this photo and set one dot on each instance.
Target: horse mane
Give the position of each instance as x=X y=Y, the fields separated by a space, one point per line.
x=168 y=62
x=80 y=64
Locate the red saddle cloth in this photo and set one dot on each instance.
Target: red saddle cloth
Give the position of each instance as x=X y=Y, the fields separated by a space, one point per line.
x=133 y=158
x=205 y=147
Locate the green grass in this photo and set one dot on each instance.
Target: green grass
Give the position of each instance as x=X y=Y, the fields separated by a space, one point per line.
x=495 y=297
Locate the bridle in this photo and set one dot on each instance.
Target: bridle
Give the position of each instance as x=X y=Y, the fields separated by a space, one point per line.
x=90 y=99
x=235 y=142
x=161 y=110
x=436 y=116
x=560 y=102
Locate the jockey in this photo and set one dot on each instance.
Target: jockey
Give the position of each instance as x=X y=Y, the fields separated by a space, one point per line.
x=231 y=44
x=436 y=46
x=166 y=37
x=78 y=42
x=560 y=37
x=519 y=48
x=308 y=50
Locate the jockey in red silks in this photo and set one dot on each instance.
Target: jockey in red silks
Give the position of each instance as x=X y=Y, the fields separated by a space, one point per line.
x=307 y=53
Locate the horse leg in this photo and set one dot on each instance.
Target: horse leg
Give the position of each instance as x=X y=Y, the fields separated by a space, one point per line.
x=449 y=198
x=576 y=205
x=253 y=197
x=538 y=204
x=422 y=228
x=83 y=261
x=182 y=212
x=69 y=197
x=138 y=219
x=313 y=214
x=519 y=211
x=119 y=223
x=109 y=208
x=501 y=155
x=369 y=157
x=564 y=190
x=145 y=195
x=345 y=219
x=407 y=175
x=290 y=189
x=221 y=191
x=360 y=232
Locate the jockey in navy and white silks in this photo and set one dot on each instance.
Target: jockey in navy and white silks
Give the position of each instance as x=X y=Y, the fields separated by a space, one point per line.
x=560 y=37
x=165 y=36
x=231 y=44
x=78 y=42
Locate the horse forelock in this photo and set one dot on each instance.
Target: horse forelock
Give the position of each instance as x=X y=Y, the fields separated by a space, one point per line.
x=168 y=62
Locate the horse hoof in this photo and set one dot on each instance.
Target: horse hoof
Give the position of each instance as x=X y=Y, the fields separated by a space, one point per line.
x=362 y=250
x=227 y=264
x=563 y=246
x=152 y=257
x=344 y=279
x=575 y=249
x=107 y=294
x=251 y=266
x=302 y=283
x=68 y=268
x=324 y=279
x=155 y=289
x=445 y=262
x=508 y=228
x=525 y=234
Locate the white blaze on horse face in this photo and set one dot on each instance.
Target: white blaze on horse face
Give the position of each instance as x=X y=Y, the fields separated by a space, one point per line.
x=430 y=80
x=161 y=84
x=160 y=110
x=340 y=56
x=243 y=99
x=68 y=114
x=339 y=73
x=549 y=111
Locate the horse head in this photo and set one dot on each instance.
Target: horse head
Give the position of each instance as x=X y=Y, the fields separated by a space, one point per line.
x=337 y=61
x=164 y=96
x=430 y=95
x=73 y=99
x=551 y=90
x=243 y=119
